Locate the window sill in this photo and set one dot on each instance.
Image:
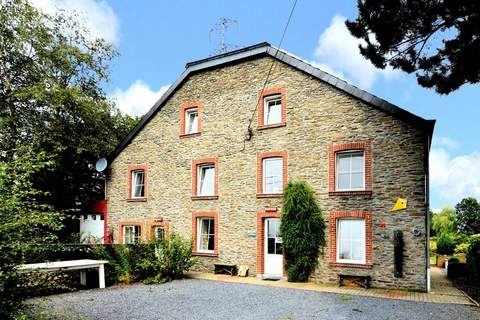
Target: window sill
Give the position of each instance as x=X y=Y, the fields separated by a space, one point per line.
x=270 y=126
x=269 y=195
x=204 y=197
x=351 y=193
x=205 y=254
x=137 y=200
x=187 y=135
x=351 y=265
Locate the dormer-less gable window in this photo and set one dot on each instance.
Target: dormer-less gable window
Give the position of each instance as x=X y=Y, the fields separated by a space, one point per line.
x=272 y=110
x=138 y=184
x=191 y=119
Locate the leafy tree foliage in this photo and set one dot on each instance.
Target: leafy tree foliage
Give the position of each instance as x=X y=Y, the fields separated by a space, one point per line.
x=439 y=40
x=302 y=229
x=25 y=222
x=444 y=221
x=445 y=244
x=467 y=215
x=51 y=100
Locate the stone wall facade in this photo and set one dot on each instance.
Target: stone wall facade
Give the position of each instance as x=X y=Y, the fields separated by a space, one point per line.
x=317 y=117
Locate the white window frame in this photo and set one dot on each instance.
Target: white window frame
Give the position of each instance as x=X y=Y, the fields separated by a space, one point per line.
x=134 y=185
x=188 y=124
x=266 y=100
x=210 y=232
x=200 y=168
x=264 y=180
x=338 y=234
x=133 y=227
x=337 y=172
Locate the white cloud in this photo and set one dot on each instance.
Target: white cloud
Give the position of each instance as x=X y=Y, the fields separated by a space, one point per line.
x=455 y=177
x=137 y=99
x=97 y=16
x=337 y=51
x=446 y=142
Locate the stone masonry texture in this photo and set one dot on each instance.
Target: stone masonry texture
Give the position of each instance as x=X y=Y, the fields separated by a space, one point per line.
x=317 y=116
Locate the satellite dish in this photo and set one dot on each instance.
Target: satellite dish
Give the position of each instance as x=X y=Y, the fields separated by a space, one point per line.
x=101 y=164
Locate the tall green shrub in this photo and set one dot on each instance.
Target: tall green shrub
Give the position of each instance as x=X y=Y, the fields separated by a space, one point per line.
x=445 y=244
x=302 y=229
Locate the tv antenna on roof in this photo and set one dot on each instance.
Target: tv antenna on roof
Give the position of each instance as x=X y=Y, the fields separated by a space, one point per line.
x=221 y=27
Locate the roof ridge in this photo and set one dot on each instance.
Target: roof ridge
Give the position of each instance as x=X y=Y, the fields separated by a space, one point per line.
x=264 y=48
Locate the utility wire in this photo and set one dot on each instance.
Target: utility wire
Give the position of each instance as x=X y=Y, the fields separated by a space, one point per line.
x=271 y=66
x=249 y=134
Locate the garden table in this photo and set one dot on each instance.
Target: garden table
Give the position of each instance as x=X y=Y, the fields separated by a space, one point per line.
x=81 y=265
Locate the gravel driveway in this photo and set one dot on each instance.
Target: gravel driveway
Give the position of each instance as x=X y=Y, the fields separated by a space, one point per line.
x=202 y=299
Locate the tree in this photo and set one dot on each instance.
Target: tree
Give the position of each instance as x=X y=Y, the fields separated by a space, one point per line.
x=467 y=216
x=439 y=40
x=302 y=229
x=444 y=221
x=25 y=223
x=51 y=100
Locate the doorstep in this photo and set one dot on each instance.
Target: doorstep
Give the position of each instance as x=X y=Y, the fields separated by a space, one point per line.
x=432 y=297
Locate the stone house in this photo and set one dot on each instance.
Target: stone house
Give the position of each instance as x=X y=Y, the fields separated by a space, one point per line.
x=211 y=158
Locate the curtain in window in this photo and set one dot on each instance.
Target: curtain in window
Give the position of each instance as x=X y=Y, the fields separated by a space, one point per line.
x=207 y=181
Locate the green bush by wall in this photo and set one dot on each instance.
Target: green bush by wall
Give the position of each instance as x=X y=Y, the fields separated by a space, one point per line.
x=302 y=229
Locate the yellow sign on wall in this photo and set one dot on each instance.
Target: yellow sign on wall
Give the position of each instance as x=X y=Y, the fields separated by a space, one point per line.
x=400 y=204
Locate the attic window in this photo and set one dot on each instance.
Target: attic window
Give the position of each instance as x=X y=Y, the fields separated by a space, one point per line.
x=191 y=119
x=272 y=111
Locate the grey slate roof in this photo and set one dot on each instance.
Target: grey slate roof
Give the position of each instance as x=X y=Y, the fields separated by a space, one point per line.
x=265 y=49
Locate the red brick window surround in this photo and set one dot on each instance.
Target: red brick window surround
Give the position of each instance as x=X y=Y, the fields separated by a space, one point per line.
x=133 y=226
x=335 y=218
x=272 y=96
x=267 y=158
x=137 y=187
x=191 y=119
x=202 y=233
x=334 y=151
x=202 y=179
x=261 y=216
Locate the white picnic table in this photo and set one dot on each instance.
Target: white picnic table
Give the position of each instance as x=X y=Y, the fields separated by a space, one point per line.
x=81 y=265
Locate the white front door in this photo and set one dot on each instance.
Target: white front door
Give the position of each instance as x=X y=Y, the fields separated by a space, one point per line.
x=273 y=248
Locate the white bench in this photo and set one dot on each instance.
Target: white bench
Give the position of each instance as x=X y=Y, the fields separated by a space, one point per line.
x=70 y=265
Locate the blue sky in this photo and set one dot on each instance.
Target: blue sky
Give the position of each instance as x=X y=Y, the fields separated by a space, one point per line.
x=156 y=38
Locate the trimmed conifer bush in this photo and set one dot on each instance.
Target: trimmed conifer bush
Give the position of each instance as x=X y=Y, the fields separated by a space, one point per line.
x=302 y=229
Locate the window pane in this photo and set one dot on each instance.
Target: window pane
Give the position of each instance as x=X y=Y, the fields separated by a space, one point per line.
x=138 y=184
x=351 y=240
x=159 y=233
x=273 y=112
x=357 y=181
x=211 y=242
x=278 y=248
x=271 y=246
x=343 y=162
x=357 y=162
x=272 y=175
x=191 y=121
x=350 y=170
x=343 y=181
x=206 y=237
x=204 y=242
x=207 y=181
